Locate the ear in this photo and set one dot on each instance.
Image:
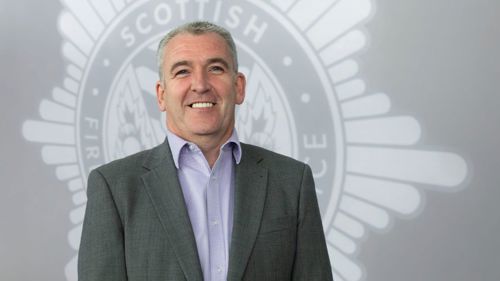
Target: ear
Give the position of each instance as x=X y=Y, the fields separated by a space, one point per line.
x=160 y=96
x=241 y=82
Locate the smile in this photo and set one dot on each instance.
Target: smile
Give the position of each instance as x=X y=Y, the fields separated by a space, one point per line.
x=202 y=105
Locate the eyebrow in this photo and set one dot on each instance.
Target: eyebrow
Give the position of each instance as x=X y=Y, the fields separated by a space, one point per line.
x=209 y=61
x=219 y=60
x=179 y=63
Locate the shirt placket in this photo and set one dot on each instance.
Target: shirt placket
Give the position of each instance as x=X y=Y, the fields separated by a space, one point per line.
x=215 y=227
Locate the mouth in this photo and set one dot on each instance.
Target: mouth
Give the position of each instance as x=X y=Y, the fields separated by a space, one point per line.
x=202 y=105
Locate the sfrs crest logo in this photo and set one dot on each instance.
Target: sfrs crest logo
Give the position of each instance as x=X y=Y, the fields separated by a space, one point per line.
x=304 y=99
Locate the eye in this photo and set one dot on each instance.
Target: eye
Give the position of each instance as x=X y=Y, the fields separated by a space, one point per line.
x=181 y=73
x=217 y=69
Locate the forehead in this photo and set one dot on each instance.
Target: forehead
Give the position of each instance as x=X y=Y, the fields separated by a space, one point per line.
x=186 y=46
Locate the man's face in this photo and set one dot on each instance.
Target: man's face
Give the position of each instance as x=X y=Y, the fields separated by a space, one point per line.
x=200 y=87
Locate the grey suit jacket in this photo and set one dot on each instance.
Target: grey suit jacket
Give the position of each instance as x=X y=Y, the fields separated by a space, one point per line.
x=137 y=227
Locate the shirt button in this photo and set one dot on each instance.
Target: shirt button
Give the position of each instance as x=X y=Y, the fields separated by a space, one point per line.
x=219 y=269
x=192 y=147
x=215 y=222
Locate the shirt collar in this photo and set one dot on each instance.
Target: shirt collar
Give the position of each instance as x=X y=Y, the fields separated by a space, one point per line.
x=177 y=143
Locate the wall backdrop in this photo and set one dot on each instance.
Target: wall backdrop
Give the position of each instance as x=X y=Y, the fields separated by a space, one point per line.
x=394 y=104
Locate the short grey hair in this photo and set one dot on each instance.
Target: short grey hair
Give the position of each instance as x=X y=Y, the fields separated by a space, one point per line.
x=196 y=28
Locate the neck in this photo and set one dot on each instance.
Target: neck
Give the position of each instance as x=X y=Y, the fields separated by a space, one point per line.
x=209 y=144
x=210 y=148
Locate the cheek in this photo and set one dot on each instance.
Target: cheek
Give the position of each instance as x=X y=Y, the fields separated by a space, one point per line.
x=172 y=97
x=164 y=101
x=177 y=90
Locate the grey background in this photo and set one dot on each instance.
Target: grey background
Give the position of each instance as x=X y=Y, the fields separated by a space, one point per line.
x=437 y=61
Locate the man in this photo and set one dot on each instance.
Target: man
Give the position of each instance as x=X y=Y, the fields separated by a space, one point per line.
x=202 y=205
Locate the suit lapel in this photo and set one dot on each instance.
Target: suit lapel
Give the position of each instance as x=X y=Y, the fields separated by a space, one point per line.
x=162 y=185
x=249 y=198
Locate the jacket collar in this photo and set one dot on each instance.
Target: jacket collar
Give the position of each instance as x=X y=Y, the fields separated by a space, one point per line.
x=249 y=198
x=164 y=190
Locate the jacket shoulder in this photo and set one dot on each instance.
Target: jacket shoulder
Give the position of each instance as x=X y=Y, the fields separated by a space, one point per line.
x=128 y=166
x=270 y=158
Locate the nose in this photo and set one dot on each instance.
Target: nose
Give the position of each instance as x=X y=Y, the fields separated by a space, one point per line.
x=199 y=82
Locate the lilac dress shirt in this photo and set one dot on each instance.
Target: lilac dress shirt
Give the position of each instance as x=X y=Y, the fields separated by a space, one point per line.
x=208 y=194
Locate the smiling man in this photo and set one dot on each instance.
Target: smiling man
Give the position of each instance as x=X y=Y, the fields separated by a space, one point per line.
x=199 y=88
x=202 y=205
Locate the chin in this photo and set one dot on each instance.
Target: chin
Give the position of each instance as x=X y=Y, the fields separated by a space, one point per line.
x=201 y=131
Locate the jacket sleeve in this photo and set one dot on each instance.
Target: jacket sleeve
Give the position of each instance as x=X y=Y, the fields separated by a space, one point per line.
x=101 y=254
x=311 y=257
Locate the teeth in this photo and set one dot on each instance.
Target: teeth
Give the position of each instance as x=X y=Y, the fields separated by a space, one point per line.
x=202 y=105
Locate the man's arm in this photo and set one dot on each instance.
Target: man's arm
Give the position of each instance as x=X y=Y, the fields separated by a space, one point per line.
x=311 y=258
x=101 y=255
